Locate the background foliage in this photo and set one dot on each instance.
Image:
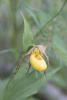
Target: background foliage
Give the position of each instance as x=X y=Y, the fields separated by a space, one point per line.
x=22 y=24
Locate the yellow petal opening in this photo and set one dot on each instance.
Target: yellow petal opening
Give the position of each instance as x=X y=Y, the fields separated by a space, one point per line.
x=38 y=62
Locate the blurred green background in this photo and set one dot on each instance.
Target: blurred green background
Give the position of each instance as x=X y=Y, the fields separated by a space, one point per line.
x=22 y=24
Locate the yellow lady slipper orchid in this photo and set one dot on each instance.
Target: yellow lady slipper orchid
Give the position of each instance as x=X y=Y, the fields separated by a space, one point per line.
x=37 y=61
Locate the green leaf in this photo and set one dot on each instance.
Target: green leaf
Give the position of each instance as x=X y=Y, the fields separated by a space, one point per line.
x=42 y=34
x=43 y=17
x=33 y=16
x=25 y=85
x=27 y=35
x=59 y=47
x=32 y=98
x=2 y=88
x=59 y=80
